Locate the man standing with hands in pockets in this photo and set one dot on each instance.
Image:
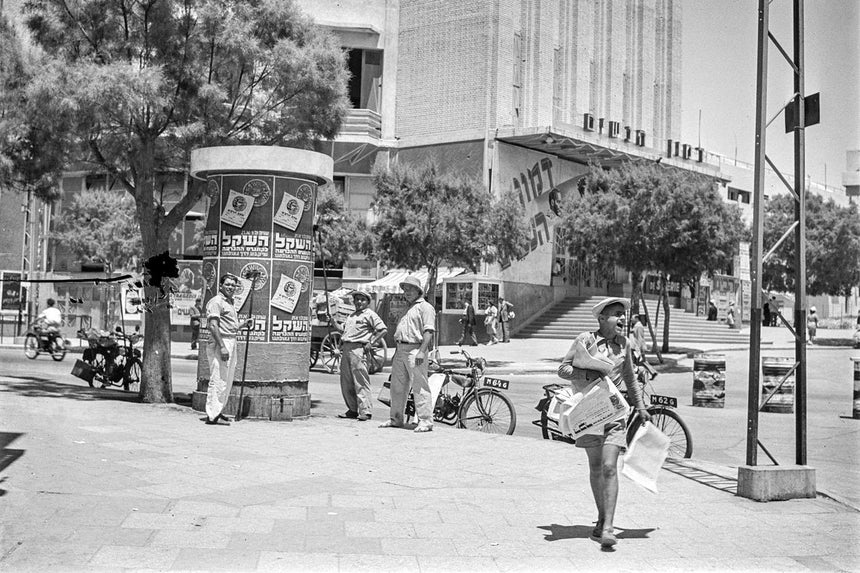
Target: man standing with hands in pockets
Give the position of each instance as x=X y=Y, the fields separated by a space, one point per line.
x=414 y=335
x=362 y=330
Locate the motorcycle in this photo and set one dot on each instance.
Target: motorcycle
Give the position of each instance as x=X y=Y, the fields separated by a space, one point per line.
x=41 y=339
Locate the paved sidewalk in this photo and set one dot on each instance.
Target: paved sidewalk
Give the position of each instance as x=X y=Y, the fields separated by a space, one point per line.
x=97 y=482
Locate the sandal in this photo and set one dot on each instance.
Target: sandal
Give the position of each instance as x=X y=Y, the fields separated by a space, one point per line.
x=420 y=428
x=607 y=538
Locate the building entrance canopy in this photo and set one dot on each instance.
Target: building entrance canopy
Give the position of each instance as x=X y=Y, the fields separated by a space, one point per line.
x=390 y=283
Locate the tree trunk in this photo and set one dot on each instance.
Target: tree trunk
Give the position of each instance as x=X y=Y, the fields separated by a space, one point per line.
x=636 y=279
x=664 y=296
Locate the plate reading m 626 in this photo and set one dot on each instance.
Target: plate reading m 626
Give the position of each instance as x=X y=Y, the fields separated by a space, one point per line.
x=496 y=383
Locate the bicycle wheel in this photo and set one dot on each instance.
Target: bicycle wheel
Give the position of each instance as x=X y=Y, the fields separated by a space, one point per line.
x=330 y=351
x=131 y=375
x=488 y=410
x=58 y=349
x=31 y=347
x=375 y=360
x=670 y=423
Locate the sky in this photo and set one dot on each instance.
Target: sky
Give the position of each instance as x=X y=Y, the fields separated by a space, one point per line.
x=719 y=78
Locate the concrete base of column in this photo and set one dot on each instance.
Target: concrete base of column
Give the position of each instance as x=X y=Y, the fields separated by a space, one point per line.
x=278 y=401
x=776 y=483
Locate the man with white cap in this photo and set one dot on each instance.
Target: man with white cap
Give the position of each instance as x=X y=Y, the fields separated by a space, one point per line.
x=361 y=330
x=615 y=357
x=414 y=335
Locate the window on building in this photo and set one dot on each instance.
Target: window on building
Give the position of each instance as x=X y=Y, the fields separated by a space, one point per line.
x=487 y=293
x=739 y=195
x=365 y=82
x=456 y=295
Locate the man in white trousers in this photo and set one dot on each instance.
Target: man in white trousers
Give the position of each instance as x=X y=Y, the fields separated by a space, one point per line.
x=221 y=349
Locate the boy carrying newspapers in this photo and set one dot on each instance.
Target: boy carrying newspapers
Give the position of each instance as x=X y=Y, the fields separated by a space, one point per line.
x=594 y=412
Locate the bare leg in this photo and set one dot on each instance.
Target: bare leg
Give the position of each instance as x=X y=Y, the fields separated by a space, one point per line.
x=609 y=473
x=595 y=476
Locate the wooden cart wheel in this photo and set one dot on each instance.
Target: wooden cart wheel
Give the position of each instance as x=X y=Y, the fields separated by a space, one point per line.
x=330 y=351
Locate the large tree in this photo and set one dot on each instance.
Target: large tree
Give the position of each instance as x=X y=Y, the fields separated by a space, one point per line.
x=131 y=86
x=101 y=225
x=648 y=217
x=832 y=246
x=426 y=218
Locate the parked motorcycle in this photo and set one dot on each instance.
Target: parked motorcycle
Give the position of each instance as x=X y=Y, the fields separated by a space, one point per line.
x=40 y=339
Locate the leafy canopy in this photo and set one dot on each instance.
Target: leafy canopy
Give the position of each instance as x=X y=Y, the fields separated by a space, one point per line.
x=832 y=246
x=424 y=218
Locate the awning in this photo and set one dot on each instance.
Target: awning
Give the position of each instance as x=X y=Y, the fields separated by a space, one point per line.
x=390 y=283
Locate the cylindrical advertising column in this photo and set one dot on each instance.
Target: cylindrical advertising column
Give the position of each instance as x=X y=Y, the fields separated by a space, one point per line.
x=259 y=226
x=709 y=380
x=855 y=411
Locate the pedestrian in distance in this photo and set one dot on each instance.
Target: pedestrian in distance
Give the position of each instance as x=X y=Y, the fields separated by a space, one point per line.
x=637 y=334
x=221 y=351
x=730 y=315
x=712 y=311
x=361 y=331
x=194 y=315
x=609 y=342
x=506 y=315
x=468 y=321
x=774 y=312
x=765 y=320
x=812 y=324
x=491 y=322
x=414 y=336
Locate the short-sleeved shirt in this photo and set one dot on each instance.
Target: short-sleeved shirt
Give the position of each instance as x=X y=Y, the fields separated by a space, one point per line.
x=222 y=309
x=420 y=317
x=361 y=326
x=52 y=316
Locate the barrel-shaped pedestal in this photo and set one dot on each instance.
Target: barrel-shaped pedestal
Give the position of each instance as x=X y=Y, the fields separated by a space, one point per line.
x=261 y=204
x=773 y=369
x=709 y=381
x=855 y=411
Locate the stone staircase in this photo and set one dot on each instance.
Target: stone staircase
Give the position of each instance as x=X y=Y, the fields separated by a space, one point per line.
x=573 y=315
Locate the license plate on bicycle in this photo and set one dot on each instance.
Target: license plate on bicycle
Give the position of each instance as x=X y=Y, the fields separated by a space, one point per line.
x=496 y=383
x=670 y=401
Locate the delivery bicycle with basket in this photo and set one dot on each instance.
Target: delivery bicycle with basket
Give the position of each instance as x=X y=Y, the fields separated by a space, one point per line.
x=661 y=408
x=111 y=359
x=473 y=401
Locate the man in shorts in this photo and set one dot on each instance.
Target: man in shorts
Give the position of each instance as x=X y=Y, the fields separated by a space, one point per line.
x=603 y=451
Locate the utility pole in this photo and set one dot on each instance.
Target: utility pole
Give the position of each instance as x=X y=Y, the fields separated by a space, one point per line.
x=766 y=483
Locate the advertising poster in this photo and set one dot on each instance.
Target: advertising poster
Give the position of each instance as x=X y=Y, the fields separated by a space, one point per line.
x=292 y=290
x=10 y=284
x=246 y=217
x=187 y=288
x=293 y=247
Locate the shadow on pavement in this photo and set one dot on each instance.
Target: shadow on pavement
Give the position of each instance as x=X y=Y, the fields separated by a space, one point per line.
x=558 y=532
x=8 y=455
x=44 y=388
x=703 y=477
x=833 y=342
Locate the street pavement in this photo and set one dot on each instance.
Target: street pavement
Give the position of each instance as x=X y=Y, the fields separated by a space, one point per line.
x=93 y=480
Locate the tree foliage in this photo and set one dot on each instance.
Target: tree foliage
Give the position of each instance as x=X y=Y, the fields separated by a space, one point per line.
x=426 y=218
x=832 y=246
x=130 y=87
x=339 y=233
x=101 y=225
x=652 y=218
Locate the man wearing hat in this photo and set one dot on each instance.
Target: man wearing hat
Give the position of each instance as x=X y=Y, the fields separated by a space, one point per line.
x=414 y=335
x=362 y=329
x=608 y=355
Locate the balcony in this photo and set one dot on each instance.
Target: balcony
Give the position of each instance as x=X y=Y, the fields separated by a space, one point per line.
x=360 y=124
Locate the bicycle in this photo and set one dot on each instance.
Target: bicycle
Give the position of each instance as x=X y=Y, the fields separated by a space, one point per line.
x=464 y=404
x=661 y=409
x=112 y=359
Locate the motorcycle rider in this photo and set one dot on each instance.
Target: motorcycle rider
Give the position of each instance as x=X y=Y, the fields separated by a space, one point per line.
x=51 y=319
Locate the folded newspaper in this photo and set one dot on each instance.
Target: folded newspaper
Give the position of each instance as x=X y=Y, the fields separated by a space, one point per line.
x=588 y=411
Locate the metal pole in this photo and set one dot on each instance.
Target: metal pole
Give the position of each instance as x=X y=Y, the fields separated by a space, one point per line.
x=253 y=275
x=800 y=239
x=757 y=235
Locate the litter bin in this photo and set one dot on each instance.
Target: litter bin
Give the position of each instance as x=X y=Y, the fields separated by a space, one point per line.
x=856 y=410
x=773 y=369
x=709 y=380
